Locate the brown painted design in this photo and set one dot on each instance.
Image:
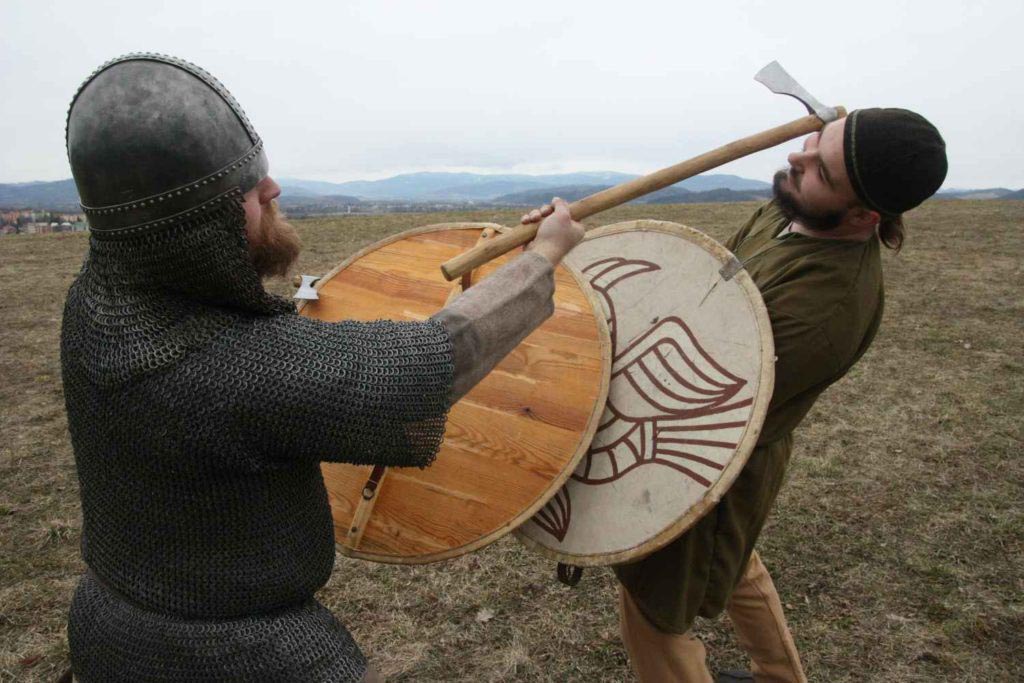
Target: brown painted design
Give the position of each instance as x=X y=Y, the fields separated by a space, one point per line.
x=555 y=515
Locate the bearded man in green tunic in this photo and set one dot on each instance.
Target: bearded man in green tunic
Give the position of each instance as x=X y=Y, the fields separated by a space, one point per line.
x=814 y=252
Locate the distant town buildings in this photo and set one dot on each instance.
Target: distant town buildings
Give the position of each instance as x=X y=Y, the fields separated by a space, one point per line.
x=28 y=222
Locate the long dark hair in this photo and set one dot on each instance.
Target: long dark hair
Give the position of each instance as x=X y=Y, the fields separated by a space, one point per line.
x=890 y=231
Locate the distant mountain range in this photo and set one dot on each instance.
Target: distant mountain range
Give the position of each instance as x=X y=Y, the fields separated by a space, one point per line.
x=60 y=195
x=988 y=193
x=415 y=188
x=670 y=195
x=474 y=187
x=463 y=188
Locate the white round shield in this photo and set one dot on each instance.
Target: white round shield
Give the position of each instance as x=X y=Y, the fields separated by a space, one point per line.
x=692 y=375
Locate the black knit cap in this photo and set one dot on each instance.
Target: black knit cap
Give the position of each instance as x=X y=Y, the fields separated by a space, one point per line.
x=895 y=158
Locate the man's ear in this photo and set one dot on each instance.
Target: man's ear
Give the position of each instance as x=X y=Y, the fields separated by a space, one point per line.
x=863 y=217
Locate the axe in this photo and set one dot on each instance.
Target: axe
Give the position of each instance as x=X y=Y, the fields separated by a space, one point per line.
x=773 y=76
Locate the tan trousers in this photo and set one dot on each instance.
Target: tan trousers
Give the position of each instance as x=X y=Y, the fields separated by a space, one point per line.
x=756 y=615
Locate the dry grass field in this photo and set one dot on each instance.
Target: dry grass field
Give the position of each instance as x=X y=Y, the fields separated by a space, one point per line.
x=897 y=543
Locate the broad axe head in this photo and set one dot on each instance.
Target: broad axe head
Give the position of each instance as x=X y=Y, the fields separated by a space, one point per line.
x=305 y=285
x=780 y=82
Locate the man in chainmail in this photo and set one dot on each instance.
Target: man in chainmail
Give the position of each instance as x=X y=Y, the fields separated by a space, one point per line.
x=200 y=406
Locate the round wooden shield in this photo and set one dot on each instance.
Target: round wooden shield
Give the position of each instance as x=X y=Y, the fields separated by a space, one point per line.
x=692 y=375
x=509 y=443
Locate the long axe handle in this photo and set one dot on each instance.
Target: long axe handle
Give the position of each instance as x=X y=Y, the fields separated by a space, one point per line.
x=630 y=190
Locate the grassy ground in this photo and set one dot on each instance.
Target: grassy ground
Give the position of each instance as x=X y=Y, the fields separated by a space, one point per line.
x=897 y=544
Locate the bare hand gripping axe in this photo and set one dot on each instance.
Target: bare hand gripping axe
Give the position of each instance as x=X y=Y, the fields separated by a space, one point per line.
x=773 y=76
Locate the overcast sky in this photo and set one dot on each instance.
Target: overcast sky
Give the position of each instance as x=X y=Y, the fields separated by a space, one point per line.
x=348 y=90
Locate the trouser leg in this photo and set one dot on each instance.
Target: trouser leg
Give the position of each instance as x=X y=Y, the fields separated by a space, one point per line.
x=756 y=614
x=656 y=656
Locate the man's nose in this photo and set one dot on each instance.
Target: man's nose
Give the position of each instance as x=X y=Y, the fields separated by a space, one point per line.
x=270 y=190
x=798 y=159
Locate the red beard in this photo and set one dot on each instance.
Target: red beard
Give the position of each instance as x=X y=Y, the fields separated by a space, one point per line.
x=277 y=244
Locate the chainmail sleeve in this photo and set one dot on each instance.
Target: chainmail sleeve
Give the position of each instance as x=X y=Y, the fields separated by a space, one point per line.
x=290 y=388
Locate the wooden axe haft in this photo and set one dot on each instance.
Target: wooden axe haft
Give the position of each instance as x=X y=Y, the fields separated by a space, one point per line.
x=773 y=76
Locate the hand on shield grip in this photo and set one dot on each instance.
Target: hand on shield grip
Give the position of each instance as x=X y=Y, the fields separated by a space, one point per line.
x=558 y=232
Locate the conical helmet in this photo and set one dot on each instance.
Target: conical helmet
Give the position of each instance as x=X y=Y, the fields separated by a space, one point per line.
x=151 y=138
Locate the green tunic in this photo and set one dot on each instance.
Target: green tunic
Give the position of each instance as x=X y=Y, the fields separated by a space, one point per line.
x=824 y=299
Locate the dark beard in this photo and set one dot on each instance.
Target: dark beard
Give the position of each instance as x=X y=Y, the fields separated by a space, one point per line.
x=279 y=244
x=823 y=222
